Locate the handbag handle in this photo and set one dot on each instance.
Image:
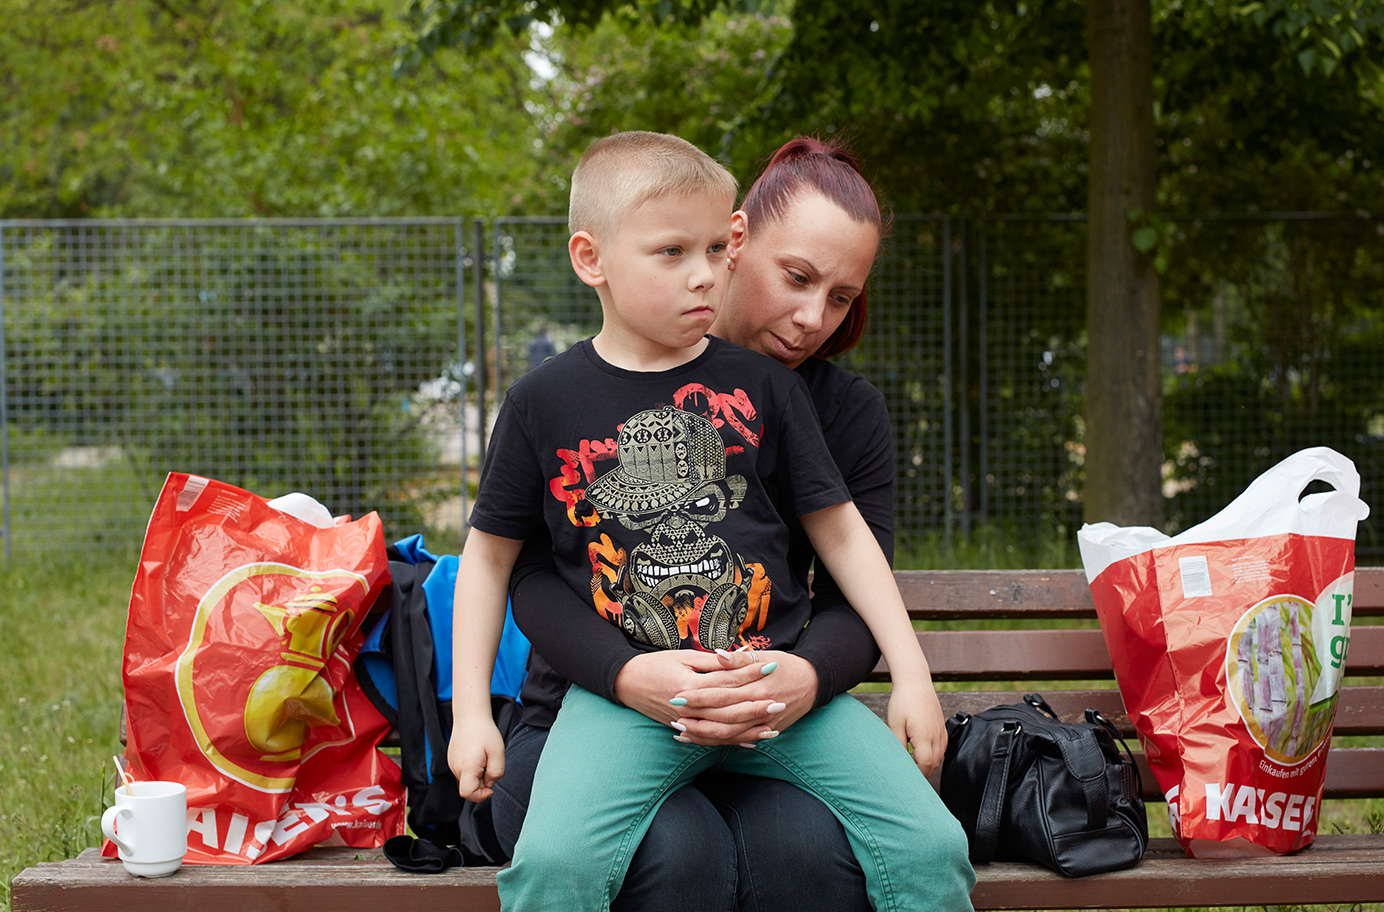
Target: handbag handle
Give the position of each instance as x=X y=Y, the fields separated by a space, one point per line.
x=992 y=799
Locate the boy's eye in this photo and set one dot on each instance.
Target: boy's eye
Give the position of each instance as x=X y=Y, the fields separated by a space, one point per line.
x=716 y=249
x=671 y=251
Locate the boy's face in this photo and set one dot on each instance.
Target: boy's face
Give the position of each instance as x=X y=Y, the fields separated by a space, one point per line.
x=665 y=270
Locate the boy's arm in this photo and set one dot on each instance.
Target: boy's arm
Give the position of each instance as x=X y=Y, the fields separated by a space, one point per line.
x=476 y=752
x=844 y=543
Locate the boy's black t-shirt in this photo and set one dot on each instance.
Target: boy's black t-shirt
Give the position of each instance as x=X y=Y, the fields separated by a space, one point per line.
x=663 y=491
x=855 y=422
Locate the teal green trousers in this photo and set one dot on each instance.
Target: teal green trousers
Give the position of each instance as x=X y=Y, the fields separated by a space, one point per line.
x=606 y=769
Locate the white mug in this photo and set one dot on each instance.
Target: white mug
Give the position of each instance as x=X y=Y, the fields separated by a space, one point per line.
x=148 y=824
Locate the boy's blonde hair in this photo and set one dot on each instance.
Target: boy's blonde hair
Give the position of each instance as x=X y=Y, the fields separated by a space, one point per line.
x=619 y=173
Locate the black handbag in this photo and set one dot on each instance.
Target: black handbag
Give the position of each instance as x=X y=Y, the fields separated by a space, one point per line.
x=1028 y=787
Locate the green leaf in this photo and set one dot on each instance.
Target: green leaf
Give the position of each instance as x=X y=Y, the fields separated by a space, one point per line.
x=1145 y=238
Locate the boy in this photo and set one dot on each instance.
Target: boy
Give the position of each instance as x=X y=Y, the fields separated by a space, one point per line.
x=682 y=542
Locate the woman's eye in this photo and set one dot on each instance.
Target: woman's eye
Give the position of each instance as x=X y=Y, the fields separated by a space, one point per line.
x=842 y=300
x=797 y=278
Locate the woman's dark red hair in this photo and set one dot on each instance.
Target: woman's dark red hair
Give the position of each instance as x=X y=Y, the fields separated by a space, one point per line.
x=829 y=168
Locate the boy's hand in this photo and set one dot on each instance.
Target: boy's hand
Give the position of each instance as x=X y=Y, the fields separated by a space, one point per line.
x=476 y=755
x=915 y=715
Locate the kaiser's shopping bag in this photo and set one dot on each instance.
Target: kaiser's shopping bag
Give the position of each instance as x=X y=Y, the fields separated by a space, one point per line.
x=244 y=622
x=1228 y=643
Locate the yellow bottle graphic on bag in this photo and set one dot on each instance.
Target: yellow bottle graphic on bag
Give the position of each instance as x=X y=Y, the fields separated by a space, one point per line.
x=289 y=698
x=255 y=678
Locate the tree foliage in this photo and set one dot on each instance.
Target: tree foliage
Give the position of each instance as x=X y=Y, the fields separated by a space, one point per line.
x=203 y=108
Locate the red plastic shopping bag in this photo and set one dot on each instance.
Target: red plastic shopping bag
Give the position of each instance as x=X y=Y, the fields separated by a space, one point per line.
x=1228 y=643
x=244 y=621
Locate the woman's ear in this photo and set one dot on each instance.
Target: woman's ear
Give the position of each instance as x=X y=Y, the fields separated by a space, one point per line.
x=586 y=258
x=739 y=233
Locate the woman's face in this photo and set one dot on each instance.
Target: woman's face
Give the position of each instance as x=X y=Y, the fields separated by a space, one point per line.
x=793 y=281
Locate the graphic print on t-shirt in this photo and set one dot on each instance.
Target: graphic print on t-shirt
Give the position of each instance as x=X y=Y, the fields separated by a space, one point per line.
x=671 y=487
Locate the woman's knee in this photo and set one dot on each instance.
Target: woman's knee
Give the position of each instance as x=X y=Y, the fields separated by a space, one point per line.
x=510 y=803
x=686 y=860
x=792 y=852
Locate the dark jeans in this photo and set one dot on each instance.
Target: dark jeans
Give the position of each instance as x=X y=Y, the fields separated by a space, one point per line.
x=729 y=841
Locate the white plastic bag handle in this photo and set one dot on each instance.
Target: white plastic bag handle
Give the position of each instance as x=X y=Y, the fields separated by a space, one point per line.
x=1271 y=505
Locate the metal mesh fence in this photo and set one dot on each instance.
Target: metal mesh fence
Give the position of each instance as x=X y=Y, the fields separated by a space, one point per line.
x=278 y=356
x=1028 y=381
x=906 y=352
x=327 y=357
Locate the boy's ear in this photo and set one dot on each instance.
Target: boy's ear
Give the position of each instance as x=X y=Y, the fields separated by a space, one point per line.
x=586 y=258
x=739 y=233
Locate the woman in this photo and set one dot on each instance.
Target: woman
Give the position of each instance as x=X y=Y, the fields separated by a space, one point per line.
x=801 y=249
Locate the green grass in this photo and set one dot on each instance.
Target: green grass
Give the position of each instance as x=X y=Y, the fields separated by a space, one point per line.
x=62 y=628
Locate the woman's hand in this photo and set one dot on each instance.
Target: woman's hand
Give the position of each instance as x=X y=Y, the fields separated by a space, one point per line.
x=730 y=698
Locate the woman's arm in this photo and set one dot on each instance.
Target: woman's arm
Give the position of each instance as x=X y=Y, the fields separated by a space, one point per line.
x=855 y=423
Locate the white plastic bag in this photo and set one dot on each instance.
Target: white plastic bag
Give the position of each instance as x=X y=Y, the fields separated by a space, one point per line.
x=1228 y=642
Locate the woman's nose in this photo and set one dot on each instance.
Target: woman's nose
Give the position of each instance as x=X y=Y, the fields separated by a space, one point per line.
x=808 y=317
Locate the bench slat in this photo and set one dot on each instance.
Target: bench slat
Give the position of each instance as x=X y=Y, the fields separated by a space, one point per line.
x=952 y=595
x=1351 y=772
x=1066 y=655
x=1337 y=869
x=1361 y=710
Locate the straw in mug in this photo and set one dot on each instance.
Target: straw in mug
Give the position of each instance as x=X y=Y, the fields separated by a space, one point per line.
x=122 y=773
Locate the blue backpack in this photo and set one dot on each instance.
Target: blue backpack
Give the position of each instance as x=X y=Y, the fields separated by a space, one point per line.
x=405 y=667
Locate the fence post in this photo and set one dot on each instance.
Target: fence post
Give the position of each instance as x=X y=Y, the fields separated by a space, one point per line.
x=481 y=422
x=459 y=242
x=4 y=409
x=959 y=387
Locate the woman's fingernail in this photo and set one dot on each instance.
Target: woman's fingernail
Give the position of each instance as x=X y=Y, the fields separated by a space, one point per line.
x=748 y=744
x=768 y=668
x=681 y=738
x=777 y=707
x=766 y=735
x=725 y=654
x=678 y=701
x=679 y=726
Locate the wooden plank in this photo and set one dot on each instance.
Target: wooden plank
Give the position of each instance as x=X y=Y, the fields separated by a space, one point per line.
x=966 y=594
x=1361 y=710
x=1066 y=655
x=1336 y=869
x=333 y=879
x=951 y=595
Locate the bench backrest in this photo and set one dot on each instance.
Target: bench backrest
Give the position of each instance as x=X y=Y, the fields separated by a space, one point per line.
x=1066 y=660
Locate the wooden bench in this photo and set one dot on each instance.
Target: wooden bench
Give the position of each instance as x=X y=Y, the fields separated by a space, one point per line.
x=1068 y=664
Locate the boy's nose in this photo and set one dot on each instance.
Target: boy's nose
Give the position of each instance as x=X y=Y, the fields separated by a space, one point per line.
x=703 y=277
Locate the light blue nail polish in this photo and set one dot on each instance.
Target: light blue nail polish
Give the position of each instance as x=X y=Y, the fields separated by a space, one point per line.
x=768 y=668
x=678 y=701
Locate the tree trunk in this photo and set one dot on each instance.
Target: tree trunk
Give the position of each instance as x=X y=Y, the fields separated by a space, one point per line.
x=1124 y=434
